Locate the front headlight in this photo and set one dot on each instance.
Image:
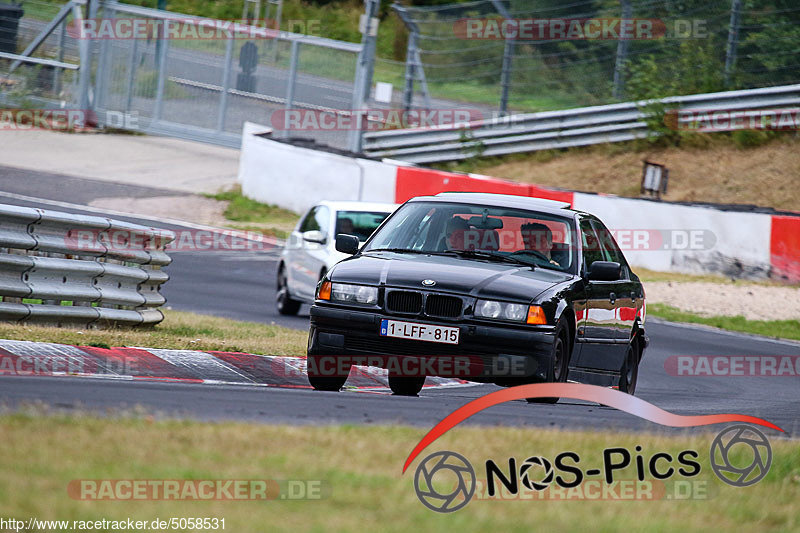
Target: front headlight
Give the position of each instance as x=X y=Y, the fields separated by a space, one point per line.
x=352 y=294
x=509 y=311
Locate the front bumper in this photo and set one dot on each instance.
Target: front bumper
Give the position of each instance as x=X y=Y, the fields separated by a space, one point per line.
x=500 y=353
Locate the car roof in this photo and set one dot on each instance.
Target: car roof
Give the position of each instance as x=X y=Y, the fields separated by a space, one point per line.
x=500 y=200
x=359 y=206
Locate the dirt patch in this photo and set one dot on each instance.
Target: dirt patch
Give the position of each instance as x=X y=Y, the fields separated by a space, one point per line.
x=764 y=176
x=754 y=302
x=190 y=208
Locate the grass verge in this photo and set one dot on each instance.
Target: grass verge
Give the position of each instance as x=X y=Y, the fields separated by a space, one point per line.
x=360 y=466
x=251 y=215
x=647 y=276
x=178 y=331
x=784 y=329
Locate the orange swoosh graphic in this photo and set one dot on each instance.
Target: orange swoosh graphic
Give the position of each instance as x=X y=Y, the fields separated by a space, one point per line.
x=591 y=393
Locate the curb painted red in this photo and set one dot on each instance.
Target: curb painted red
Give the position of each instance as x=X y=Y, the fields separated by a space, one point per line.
x=785 y=247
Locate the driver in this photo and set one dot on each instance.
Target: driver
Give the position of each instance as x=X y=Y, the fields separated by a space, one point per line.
x=538 y=238
x=454 y=233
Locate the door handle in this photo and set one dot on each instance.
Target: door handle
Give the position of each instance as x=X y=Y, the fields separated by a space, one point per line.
x=612 y=297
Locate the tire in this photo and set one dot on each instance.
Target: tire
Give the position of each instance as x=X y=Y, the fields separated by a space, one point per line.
x=323 y=383
x=284 y=302
x=406 y=386
x=629 y=373
x=557 y=373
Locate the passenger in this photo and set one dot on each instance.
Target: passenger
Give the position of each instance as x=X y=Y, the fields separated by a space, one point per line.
x=346 y=226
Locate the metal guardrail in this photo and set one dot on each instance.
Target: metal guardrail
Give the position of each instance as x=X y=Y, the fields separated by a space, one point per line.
x=558 y=129
x=85 y=270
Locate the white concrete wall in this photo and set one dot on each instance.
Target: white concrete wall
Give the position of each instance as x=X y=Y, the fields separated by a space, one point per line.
x=695 y=239
x=297 y=178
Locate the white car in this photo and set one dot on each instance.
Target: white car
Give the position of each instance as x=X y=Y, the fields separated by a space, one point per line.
x=310 y=250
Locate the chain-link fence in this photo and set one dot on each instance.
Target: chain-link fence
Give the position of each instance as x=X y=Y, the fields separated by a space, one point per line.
x=174 y=74
x=529 y=55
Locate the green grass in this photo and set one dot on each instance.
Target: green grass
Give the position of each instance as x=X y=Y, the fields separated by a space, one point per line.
x=360 y=470
x=264 y=218
x=785 y=329
x=178 y=331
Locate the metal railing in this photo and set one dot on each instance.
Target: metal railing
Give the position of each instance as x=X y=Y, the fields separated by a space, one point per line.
x=559 y=129
x=65 y=269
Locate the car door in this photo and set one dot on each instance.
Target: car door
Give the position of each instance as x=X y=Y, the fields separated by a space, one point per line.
x=303 y=255
x=313 y=255
x=625 y=292
x=598 y=331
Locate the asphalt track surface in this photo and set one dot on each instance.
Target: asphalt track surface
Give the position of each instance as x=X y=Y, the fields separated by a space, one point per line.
x=240 y=285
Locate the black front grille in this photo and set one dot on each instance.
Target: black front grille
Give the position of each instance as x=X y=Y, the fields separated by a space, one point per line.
x=404 y=302
x=443 y=306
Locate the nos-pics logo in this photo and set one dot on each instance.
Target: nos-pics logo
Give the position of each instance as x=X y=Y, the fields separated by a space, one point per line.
x=445 y=481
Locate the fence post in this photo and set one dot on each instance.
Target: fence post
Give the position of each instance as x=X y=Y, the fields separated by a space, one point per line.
x=508 y=56
x=131 y=74
x=733 y=41
x=162 y=70
x=85 y=52
x=622 y=55
x=290 y=83
x=363 y=79
x=226 y=84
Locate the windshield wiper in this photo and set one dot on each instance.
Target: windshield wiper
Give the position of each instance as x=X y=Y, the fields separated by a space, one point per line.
x=491 y=256
x=398 y=250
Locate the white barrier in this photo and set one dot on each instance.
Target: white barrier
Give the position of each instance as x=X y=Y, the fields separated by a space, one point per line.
x=296 y=178
x=697 y=239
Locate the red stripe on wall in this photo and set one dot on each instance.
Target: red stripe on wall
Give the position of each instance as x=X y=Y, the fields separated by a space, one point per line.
x=413 y=182
x=785 y=248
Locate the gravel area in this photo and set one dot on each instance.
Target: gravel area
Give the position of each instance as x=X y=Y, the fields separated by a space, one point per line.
x=191 y=208
x=754 y=302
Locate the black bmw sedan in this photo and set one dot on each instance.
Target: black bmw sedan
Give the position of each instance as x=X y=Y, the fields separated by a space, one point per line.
x=525 y=290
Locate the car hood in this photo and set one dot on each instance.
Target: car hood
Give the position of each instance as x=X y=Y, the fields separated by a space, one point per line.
x=473 y=277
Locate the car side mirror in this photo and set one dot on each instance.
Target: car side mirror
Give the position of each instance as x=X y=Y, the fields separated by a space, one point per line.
x=347 y=244
x=604 y=271
x=314 y=236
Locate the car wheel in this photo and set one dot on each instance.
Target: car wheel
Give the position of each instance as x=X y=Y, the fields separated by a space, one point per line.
x=323 y=383
x=283 y=300
x=406 y=386
x=560 y=367
x=629 y=373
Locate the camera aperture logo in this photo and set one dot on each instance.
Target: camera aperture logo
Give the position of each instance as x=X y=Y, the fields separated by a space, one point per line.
x=460 y=481
x=741 y=437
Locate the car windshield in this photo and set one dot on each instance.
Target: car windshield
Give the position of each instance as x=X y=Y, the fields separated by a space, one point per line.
x=359 y=223
x=480 y=232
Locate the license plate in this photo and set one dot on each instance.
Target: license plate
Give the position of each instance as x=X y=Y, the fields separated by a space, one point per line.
x=420 y=332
